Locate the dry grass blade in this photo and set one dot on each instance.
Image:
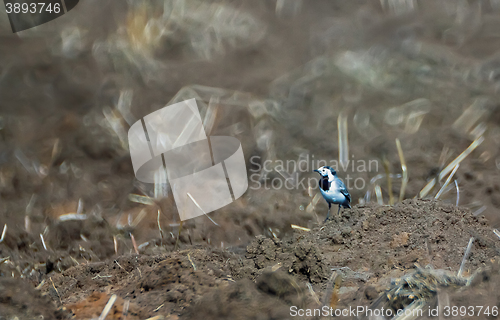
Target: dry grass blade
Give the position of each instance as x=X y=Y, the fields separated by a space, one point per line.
x=3 y=232
x=116 y=125
x=479 y=211
x=27 y=224
x=126 y=305
x=160 y=317
x=84 y=238
x=461 y=157
x=124 y=104
x=190 y=260
x=466 y=254
x=300 y=228
x=115 y=243
x=141 y=199
x=40 y=285
x=55 y=289
x=495 y=231
x=178 y=236
x=186 y=132
x=29 y=211
x=160 y=185
x=331 y=294
x=480 y=108
x=31 y=205
x=313 y=294
x=447 y=182
x=25 y=162
x=276 y=267
x=72 y=216
x=309 y=189
x=43 y=242
x=143 y=245
x=159 y=307
x=310 y=207
x=159 y=226
x=427 y=188
x=211 y=114
x=138 y=219
x=458 y=192
x=199 y=207
x=343 y=141
x=389 y=180
x=378 y=193
x=74 y=261
x=445 y=154
x=79 y=209
x=136 y=249
x=119 y=265
x=108 y=307
x=56 y=150
x=404 y=170
x=451 y=166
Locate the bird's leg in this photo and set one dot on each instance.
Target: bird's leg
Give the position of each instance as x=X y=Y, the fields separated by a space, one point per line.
x=328 y=214
x=338 y=212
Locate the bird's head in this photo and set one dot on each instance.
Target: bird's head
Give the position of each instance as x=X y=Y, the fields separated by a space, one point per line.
x=326 y=171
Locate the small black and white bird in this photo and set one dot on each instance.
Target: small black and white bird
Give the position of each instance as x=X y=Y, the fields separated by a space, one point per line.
x=333 y=189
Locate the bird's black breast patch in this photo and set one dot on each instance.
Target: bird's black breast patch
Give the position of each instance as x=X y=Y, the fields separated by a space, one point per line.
x=324 y=183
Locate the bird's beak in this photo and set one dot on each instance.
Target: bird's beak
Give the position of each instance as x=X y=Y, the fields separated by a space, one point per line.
x=316 y=170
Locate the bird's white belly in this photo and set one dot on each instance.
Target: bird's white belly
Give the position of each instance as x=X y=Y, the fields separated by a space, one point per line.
x=333 y=196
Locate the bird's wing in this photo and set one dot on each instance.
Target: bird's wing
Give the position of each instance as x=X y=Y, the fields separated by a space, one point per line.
x=343 y=189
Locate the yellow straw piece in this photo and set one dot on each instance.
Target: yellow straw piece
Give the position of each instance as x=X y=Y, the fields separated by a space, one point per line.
x=404 y=170
x=300 y=228
x=461 y=157
x=447 y=182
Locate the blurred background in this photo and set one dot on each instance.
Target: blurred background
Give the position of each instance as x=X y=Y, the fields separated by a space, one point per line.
x=341 y=81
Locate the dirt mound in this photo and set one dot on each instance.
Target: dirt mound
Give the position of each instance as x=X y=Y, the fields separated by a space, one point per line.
x=427 y=232
x=369 y=241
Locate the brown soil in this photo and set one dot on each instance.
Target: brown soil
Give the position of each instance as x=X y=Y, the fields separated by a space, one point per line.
x=368 y=246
